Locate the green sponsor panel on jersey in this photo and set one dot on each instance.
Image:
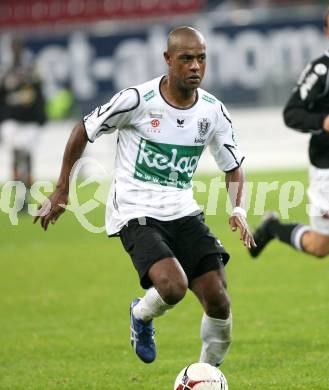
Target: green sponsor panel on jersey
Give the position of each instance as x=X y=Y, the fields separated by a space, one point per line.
x=167 y=164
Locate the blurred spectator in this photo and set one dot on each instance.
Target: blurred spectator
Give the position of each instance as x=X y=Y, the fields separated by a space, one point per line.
x=22 y=111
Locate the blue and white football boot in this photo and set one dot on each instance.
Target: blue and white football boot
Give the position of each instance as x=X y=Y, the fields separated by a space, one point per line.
x=142 y=336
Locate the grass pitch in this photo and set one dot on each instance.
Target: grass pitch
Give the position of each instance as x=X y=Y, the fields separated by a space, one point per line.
x=64 y=298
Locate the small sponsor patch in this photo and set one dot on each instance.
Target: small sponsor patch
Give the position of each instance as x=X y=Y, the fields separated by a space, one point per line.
x=199 y=140
x=155 y=122
x=208 y=99
x=149 y=95
x=155 y=115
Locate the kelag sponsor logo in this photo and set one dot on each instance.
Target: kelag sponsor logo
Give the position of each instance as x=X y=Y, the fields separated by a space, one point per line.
x=166 y=164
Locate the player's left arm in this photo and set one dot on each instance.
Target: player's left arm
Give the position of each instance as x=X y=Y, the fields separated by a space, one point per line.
x=235 y=184
x=229 y=158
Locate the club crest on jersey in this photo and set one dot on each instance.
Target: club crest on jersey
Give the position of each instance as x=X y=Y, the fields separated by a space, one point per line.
x=203 y=128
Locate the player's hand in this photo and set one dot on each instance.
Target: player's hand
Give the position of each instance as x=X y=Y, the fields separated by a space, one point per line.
x=238 y=221
x=52 y=208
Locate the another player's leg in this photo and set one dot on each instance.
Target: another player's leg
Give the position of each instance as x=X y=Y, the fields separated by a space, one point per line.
x=216 y=324
x=311 y=240
x=271 y=228
x=169 y=287
x=315 y=243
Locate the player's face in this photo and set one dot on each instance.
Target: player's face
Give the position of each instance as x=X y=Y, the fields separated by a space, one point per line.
x=187 y=66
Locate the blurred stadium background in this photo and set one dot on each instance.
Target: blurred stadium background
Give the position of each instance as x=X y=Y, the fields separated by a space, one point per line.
x=87 y=50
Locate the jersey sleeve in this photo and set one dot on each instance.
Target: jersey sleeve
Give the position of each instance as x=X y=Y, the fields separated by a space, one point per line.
x=311 y=85
x=223 y=145
x=116 y=114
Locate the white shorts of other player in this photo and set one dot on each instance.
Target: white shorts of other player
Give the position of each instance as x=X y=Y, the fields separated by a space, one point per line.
x=318 y=193
x=21 y=136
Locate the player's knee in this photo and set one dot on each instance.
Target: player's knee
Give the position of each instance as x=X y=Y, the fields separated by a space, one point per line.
x=218 y=306
x=316 y=249
x=321 y=252
x=172 y=290
x=314 y=244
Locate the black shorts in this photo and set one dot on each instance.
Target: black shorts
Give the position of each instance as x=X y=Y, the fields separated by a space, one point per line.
x=188 y=239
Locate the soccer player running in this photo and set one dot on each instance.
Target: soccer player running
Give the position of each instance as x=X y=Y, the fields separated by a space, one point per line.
x=163 y=127
x=307 y=111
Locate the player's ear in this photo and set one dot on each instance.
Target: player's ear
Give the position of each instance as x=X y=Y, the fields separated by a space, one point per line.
x=326 y=24
x=167 y=57
x=326 y=31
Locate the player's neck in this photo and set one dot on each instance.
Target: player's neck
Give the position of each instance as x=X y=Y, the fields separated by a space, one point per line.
x=178 y=97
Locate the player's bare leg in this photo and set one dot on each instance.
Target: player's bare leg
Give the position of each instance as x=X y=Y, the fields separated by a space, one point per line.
x=169 y=279
x=301 y=237
x=315 y=243
x=216 y=325
x=169 y=287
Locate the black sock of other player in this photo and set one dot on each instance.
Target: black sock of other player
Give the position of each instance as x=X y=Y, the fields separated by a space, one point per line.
x=290 y=233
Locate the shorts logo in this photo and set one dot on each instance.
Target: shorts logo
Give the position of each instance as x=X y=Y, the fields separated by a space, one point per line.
x=155 y=122
x=166 y=164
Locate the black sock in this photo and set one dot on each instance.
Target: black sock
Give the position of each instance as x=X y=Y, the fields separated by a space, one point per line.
x=283 y=231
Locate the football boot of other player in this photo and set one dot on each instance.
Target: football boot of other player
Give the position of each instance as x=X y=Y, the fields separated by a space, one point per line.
x=262 y=234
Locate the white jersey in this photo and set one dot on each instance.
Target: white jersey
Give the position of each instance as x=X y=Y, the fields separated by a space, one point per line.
x=158 y=150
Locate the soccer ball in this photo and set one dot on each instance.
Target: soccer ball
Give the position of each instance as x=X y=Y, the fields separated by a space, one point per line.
x=200 y=376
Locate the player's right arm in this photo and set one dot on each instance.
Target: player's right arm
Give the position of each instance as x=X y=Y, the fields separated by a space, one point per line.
x=115 y=114
x=299 y=112
x=54 y=206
